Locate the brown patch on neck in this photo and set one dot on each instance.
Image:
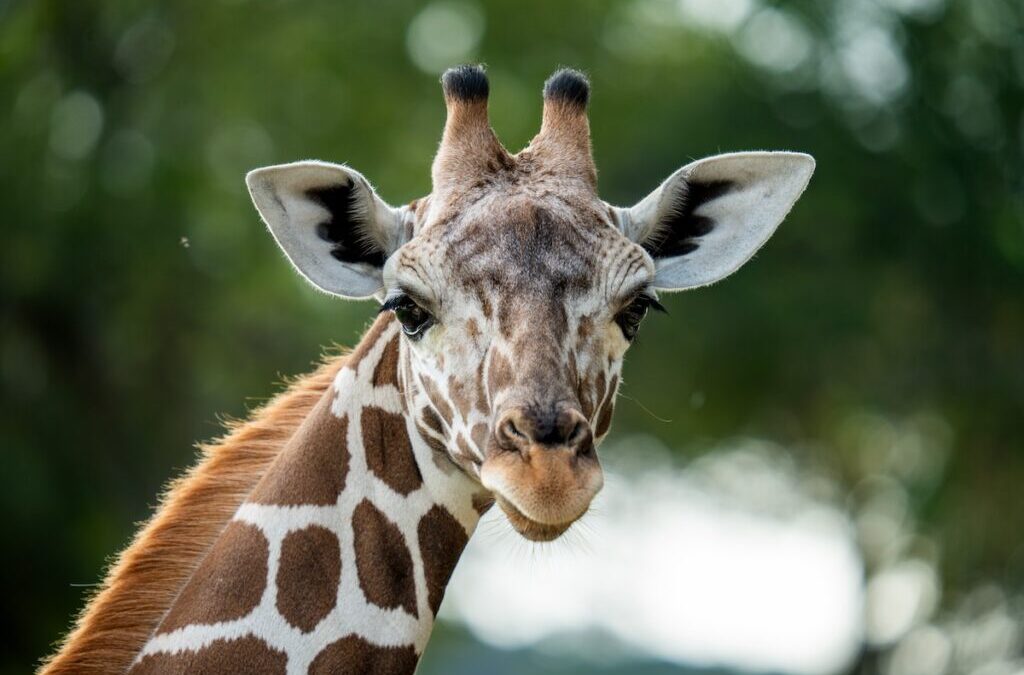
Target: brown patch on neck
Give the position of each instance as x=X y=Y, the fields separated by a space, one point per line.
x=308 y=575
x=442 y=539
x=228 y=584
x=313 y=465
x=386 y=371
x=383 y=560
x=353 y=654
x=248 y=654
x=148 y=575
x=388 y=450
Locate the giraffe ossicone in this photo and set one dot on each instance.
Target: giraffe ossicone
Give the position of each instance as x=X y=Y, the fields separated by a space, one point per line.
x=509 y=296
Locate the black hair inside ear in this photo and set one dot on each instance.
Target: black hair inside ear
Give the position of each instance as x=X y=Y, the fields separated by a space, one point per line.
x=680 y=231
x=344 y=230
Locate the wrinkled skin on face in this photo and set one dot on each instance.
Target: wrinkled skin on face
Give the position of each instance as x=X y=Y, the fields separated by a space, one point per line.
x=517 y=371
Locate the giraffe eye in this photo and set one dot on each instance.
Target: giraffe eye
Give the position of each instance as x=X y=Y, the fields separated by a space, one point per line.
x=630 y=317
x=414 y=319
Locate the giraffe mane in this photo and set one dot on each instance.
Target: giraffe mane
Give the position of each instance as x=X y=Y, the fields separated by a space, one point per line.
x=144 y=580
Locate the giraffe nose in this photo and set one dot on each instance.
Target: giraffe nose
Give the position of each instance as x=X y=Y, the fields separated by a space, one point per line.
x=523 y=428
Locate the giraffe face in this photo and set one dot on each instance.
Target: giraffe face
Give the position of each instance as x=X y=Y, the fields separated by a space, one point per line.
x=517 y=311
x=517 y=287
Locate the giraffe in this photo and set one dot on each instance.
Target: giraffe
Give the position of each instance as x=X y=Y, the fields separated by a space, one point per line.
x=319 y=536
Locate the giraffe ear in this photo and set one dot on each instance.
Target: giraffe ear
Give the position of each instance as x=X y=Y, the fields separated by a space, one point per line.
x=711 y=216
x=330 y=224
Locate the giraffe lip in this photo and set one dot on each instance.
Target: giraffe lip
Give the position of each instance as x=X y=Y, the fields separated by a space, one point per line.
x=529 y=528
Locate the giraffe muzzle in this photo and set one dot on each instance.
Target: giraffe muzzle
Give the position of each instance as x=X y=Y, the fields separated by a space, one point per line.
x=543 y=469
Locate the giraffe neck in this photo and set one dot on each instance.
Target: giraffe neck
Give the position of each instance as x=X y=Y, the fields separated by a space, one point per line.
x=338 y=560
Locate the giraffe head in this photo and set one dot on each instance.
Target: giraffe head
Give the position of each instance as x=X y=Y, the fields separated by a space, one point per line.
x=518 y=289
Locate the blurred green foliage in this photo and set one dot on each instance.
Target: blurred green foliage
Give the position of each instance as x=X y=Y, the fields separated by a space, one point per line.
x=141 y=295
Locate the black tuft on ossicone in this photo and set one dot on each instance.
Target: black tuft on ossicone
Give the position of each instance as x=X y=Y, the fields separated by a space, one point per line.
x=568 y=85
x=465 y=83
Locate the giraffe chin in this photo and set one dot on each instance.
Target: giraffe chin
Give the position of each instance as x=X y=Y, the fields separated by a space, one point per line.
x=531 y=529
x=545 y=494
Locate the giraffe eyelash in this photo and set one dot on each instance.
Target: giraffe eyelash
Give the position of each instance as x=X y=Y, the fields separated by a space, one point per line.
x=629 y=317
x=393 y=302
x=653 y=303
x=414 y=318
x=646 y=298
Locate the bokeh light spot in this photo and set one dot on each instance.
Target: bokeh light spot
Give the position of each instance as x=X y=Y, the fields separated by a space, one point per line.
x=75 y=125
x=444 y=34
x=775 y=40
x=144 y=50
x=720 y=15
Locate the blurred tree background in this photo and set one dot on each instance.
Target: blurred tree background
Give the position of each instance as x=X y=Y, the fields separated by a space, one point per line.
x=879 y=337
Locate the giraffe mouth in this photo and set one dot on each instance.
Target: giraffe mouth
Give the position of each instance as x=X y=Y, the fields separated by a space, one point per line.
x=529 y=528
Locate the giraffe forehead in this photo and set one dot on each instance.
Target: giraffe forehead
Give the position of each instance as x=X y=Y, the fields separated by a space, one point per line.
x=523 y=178
x=501 y=249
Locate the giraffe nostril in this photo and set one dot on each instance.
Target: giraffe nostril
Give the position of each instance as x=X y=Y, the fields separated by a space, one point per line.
x=577 y=434
x=511 y=431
